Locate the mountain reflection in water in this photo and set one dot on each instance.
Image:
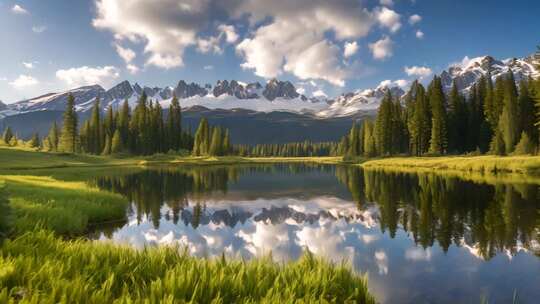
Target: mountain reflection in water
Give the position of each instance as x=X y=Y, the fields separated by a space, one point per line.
x=424 y=230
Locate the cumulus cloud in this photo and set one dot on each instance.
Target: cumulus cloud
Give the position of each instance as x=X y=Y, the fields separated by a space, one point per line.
x=350 y=49
x=207 y=45
x=28 y=65
x=294 y=41
x=320 y=93
x=415 y=19
x=419 y=34
x=126 y=54
x=382 y=49
x=166 y=28
x=132 y=69
x=38 y=29
x=24 y=81
x=388 y=18
x=230 y=33
x=85 y=75
x=418 y=71
x=17 y=9
x=402 y=83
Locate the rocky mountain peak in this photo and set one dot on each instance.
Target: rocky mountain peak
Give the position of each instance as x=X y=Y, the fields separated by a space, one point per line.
x=276 y=89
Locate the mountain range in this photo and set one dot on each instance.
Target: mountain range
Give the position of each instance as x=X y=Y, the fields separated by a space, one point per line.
x=275 y=108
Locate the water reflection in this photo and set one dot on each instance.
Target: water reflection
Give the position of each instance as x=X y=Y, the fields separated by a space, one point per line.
x=422 y=238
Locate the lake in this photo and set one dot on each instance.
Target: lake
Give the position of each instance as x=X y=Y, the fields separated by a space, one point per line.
x=420 y=238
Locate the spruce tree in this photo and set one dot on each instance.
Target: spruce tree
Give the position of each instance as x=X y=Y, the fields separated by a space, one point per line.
x=525 y=145
x=496 y=147
x=123 y=122
x=226 y=143
x=69 y=136
x=383 y=126
x=174 y=125
x=202 y=140
x=369 y=141
x=439 y=139
x=354 y=144
x=53 y=137
x=107 y=146
x=116 y=145
x=216 y=143
x=35 y=141
x=7 y=136
x=509 y=120
x=94 y=135
x=420 y=124
x=527 y=110
x=457 y=121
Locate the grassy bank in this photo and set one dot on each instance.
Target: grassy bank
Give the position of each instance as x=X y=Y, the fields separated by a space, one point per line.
x=39 y=268
x=64 y=207
x=528 y=165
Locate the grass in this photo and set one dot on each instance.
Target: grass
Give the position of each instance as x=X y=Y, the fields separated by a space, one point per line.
x=40 y=268
x=61 y=206
x=528 y=165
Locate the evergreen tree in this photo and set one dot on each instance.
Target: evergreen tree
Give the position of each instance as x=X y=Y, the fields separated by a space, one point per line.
x=439 y=139
x=354 y=141
x=107 y=146
x=496 y=146
x=509 y=120
x=35 y=141
x=527 y=110
x=123 y=122
x=369 y=140
x=216 y=143
x=420 y=124
x=94 y=135
x=68 y=138
x=53 y=137
x=109 y=123
x=117 y=145
x=457 y=121
x=174 y=124
x=383 y=126
x=7 y=136
x=202 y=138
x=525 y=145
x=226 y=143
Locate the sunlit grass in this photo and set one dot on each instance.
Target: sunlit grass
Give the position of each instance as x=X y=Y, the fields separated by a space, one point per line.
x=40 y=268
x=482 y=164
x=61 y=206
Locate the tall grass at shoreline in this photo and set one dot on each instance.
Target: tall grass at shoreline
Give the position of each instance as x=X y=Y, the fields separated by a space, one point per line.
x=64 y=207
x=38 y=267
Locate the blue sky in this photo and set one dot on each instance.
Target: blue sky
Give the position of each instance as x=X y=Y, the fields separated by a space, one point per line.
x=53 y=45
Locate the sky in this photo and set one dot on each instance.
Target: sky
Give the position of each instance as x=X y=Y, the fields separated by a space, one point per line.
x=323 y=47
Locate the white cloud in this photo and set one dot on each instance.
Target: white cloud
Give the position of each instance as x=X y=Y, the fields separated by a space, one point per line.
x=320 y=93
x=167 y=28
x=382 y=49
x=208 y=67
x=350 y=49
x=418 y=71
x=294 y=41
x=402 y=83
x=388 y=18
x=207 y=45
x=28 y=65
x=419 y=34
x=132 y=69
x=301 y=91
x=387 y=2
x=38 y=29
x=3 y=78
x=17 y=9
x=24 y=81
x=126 y=54
x=85 y=75
x=230 y=33
x=415 y=19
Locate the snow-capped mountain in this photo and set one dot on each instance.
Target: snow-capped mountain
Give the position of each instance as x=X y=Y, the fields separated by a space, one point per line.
x=364 y=100
x=276 y=95
x=469 y=71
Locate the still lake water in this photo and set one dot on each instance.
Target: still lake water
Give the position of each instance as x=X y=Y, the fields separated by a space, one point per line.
x=421 y=238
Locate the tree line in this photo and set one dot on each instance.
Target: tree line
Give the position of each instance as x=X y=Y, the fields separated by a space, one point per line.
x=294 y=149
x=498 y=118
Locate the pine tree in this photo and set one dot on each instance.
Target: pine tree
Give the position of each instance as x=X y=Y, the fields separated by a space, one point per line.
x=216 y=143
x=527 y=110
x=496 y=146
x=35 y=141
x=7 y=136
x=53 y=137
x=525 y=145
x=109 y=123
x=354 y=143
x=383 y=126
x=420 y=122
x=226 y=143
x=369 y=141
x=107 y=146
x=457 y=121
x=94 y=135
x=202 y=138
x=123 y=123
x=117 y=145
x=69 y=137
x=174 y=125
x=509 y=120
x=439 y=139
